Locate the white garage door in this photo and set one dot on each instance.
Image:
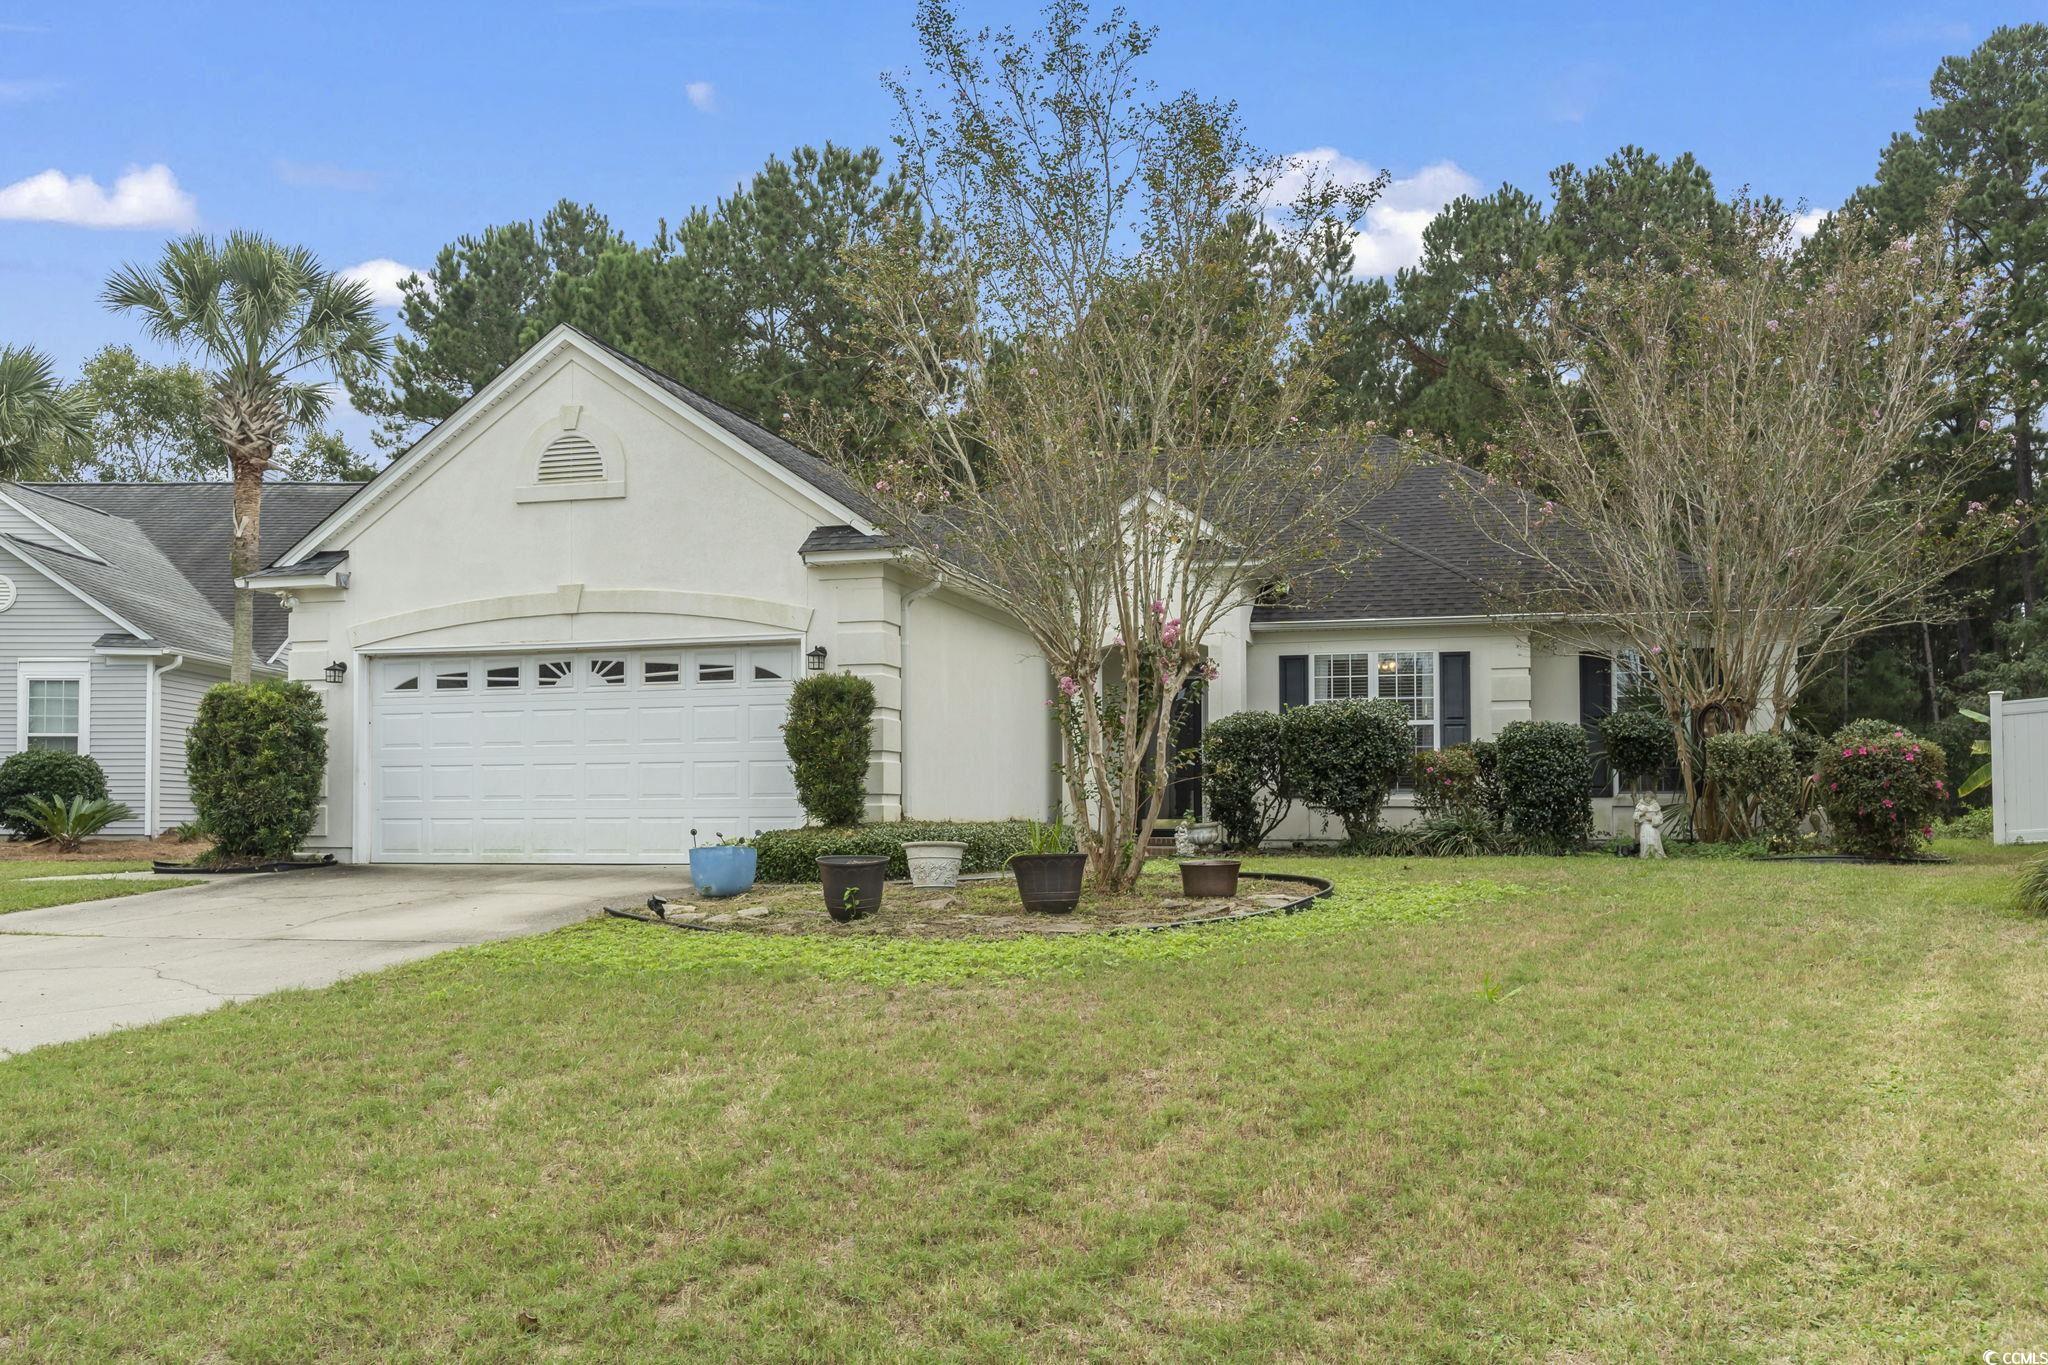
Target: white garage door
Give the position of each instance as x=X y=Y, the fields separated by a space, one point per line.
x=607 y=756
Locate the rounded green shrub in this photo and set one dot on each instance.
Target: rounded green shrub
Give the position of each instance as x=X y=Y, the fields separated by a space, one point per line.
x=828 y=737
x=1881 y=787
x=256 y=758
x=1546 y=773
x=1244 y=775
x=50 y=773
x=1640 y=744
x=1345 y=756
x=1756 y=778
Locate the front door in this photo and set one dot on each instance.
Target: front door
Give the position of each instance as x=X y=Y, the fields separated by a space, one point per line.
x=1184 y=757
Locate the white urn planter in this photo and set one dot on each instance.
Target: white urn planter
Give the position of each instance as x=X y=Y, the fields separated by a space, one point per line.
x=934 y=863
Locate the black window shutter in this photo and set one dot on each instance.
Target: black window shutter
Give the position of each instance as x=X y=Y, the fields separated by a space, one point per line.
x=1596 y=699
x=1454 y=673
x=1293 y=680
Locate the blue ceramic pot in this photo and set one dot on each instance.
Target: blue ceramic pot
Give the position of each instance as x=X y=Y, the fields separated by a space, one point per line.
x=722 y=870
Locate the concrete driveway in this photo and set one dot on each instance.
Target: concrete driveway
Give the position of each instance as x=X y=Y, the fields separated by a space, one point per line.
x=75 y=970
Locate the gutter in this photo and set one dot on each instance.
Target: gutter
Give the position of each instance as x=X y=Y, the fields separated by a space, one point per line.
x=152 y=758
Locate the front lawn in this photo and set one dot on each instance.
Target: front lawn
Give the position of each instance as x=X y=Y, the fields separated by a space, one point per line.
x=1487 y=1109
x=83 y=881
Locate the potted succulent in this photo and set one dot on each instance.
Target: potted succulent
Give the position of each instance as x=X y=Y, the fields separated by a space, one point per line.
x=1048 y=872
x=725 y=868
x=853 y=884
x=934 y=862
x=1209 y=878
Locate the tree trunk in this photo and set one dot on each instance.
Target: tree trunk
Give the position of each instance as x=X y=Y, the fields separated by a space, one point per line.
x=2023 y=479
x=245 y=553
x=1933 y=683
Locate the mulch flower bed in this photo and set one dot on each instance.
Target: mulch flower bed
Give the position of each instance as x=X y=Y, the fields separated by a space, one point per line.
x=979 y=908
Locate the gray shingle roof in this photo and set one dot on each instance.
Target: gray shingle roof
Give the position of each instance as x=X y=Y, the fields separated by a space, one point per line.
x=190 y=525
x=130 y=578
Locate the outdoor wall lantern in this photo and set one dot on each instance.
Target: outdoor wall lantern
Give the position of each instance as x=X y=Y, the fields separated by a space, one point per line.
x=336 y=671
x=815 y=660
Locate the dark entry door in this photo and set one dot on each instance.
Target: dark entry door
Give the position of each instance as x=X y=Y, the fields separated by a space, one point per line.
x=1596 y=699
x=1183 y=797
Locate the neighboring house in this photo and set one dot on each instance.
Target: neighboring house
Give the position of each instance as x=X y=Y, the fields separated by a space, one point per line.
x=563 y=627
x=114 y=611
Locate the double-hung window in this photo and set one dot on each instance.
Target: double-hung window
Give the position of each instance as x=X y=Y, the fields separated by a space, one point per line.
x=1405 y=676
x=52 y=708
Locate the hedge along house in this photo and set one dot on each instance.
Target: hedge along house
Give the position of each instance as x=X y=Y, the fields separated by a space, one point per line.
x=115 y=602
x=563 y=627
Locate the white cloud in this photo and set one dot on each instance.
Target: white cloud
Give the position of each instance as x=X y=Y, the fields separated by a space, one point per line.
x=325 y=175
x=27 y=91
x=1392 y=235
x=382 y=275
x=143 y=197
x=1805 y=224
x=703 y=96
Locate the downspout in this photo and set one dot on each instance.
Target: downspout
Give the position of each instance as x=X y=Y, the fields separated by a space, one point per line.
x=903 y=645
x=152 y=757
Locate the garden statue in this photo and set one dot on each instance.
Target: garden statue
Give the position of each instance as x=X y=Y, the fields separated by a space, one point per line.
x=1649 y=828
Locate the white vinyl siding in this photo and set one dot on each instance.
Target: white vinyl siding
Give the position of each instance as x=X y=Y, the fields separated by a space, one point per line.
x=178 y=705
x=48 y=631
x=1405 y=676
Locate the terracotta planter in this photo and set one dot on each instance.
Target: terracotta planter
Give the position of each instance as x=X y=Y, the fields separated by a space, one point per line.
x=1049 y=882
x=934 y=862
x=1209 y=878
x=853 y=884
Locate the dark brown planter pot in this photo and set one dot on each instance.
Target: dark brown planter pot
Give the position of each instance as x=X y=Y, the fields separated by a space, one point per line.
x=860 y=874
x=1209 y=878
x=1049 y=882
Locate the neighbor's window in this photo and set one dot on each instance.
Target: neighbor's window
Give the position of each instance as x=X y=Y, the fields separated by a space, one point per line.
x=1631 y=675
x=53 y=714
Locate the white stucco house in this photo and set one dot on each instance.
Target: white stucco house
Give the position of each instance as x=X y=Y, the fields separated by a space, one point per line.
x=564 y=624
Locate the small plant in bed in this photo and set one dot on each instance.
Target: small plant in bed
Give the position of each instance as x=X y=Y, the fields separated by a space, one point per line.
x=1048 y=871
x=67 y=824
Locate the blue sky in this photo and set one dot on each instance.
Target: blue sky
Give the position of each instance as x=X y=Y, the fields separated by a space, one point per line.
x=377 y=132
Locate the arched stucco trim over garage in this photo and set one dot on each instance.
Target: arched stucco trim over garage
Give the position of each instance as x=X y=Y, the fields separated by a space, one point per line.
x=571 y=599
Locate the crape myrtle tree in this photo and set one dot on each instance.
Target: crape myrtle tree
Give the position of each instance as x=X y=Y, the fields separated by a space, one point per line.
x=1101 y=312
x=1709 y=472
x=276 y=329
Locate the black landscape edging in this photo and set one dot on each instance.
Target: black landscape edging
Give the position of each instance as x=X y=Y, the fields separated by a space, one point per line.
x=1319 y=888
x=280 y=865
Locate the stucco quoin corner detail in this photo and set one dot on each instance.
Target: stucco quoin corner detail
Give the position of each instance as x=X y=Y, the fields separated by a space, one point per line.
x=573 y=599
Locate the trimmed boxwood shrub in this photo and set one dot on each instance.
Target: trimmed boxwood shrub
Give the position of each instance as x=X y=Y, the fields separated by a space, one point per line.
x=256 y=757
x=1345 y=756
x=1881 y=787
x=1640 y=743
x=1546 y=771
x=827 y=735
x=1756 y=778
x=46 y=772
x=791 y=855
x=1244 y=775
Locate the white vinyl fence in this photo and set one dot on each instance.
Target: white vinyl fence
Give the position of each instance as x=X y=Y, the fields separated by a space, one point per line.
x=2019 y=770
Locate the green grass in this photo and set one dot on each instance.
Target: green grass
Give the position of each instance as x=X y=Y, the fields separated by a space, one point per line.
x=1477 y=1110
x=91 y=884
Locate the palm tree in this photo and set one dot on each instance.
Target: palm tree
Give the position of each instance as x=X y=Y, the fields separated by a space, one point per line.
x=275 y=329
x=39 y=417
